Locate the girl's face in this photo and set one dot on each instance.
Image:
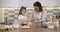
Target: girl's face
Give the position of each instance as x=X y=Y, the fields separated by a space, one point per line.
x=36 y=8
x=23 y=11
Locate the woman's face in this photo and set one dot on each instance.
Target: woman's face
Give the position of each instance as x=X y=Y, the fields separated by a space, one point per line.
x=23 y=11
x=36 y=8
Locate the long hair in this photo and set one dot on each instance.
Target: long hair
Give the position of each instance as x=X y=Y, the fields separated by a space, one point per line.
x=39 y=5
x=20 y=12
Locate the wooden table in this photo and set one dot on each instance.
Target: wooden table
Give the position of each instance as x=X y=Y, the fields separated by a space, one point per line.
x=34 y=30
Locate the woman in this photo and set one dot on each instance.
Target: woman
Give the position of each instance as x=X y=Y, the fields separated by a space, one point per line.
x=38 y=14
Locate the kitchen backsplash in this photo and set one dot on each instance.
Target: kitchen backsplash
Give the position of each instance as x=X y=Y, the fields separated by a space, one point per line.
x=11 y=14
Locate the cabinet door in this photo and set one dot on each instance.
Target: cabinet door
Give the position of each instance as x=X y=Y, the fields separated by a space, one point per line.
x=1 y=15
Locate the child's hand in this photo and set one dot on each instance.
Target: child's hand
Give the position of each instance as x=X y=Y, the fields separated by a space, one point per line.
x=28 y=18
x=23 y=22
x=29 y=23
x=37 y=21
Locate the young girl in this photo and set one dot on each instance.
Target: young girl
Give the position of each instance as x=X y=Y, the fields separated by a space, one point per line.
x=23 y=17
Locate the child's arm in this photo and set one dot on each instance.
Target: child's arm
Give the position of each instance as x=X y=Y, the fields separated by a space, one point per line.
x=28 y=18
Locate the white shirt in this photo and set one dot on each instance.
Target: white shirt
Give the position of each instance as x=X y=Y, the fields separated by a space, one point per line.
x=21 y=17
x=40 y=15
x=16 y=24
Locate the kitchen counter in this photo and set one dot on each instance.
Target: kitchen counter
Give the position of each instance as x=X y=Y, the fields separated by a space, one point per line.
x=34 y=30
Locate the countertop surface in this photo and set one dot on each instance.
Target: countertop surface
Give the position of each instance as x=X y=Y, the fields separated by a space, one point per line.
x=34 y=30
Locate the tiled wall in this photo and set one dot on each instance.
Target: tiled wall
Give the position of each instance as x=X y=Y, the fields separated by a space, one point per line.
x=11 y=14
